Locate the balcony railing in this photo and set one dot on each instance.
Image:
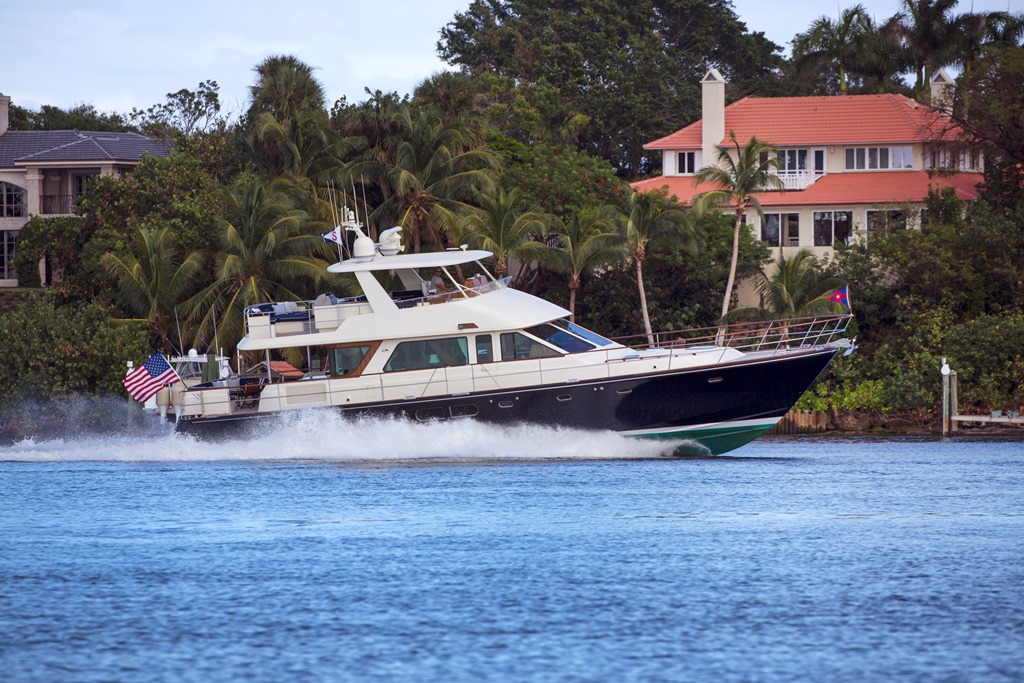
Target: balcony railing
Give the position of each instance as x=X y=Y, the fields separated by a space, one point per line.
x=799 y=180
x=58 y=204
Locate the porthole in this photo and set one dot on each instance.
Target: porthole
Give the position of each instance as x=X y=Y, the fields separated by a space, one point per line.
x=464 y=410
x=427 y=414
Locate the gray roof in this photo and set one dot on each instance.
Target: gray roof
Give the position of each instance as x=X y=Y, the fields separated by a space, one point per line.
x=19 y=146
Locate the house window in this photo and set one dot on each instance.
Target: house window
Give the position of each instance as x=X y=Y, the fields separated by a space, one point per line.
x=832 y=227
x=819 y=161
x=689 y=163
x=13 y=201
x=79 y=182
x=945 y=159
x=792 y=160
x=879 y=158
x=784 y=226
x=770 y=229
x=8 y=239
x=889 y=219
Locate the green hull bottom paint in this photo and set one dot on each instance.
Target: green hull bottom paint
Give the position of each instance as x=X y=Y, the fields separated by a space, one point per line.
x=714 y=441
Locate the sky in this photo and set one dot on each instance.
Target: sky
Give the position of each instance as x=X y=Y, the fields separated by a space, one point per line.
x=122 y=54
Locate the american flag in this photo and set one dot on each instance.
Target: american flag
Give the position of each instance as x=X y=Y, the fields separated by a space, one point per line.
x=150 y=377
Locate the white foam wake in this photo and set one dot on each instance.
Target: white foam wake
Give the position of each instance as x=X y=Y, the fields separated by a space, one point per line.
x=328 y=436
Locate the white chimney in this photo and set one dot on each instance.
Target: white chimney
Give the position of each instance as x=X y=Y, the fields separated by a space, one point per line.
x=712 y=112
x=5 y=114
x=942 y=92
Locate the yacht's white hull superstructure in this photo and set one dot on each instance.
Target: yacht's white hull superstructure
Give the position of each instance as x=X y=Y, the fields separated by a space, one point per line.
x=482 y=350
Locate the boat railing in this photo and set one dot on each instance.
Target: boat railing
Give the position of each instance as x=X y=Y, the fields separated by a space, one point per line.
x=759 y=335
x=326 y=312
x=463 y=291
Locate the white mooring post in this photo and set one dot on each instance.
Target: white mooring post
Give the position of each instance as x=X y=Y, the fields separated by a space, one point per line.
x=949 y=399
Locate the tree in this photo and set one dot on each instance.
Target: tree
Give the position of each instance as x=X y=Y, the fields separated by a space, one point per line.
x=796 y=288
x=174 y=192
x=185 y=113
x=837 y=42
x=504 y=227
x=377 y=127
x=285 y=88
x=881 y=58
x=928 y=29
x=648 y=220
x=79 y=117
x=753 y=170
x=634 y=68
x=436 y=168
x=304 y=144
x=153 y=279
x=284 y=85
x=586 y=241
x=53 y=350
x=556 y=180
x=991 y=102
x=452 y=93
x=269 y=251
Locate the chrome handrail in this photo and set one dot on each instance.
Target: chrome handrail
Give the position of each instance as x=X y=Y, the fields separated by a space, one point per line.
x=759 y=335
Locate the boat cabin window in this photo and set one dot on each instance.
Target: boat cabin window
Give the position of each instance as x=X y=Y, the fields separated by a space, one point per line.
x=484 y=349
x=592 y=337
x=517 y=346
x=428 y=353
x=346 y=360
x=569 y=343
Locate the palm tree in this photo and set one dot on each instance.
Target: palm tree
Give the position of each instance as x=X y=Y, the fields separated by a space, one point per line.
x=270 y=251
x=647 y=220
x=436 y=167
x=753 y=170
x=929 y=32
x=305 y=145
x=975 y=31
x=588 y=240
x=828 y=41
x=452 y=92
x=882 y=57
x=284 y=85
x=795 y=289
x=152 y=278
x=502 y=226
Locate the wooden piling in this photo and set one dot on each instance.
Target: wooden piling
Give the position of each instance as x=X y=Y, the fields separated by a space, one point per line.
x=803 y=422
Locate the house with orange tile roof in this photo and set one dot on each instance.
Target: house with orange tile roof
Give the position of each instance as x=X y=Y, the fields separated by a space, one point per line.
x=851 y=164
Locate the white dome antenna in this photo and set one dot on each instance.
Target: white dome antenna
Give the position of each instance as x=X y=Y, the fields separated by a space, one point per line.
x=363 y=249
x=391 y=241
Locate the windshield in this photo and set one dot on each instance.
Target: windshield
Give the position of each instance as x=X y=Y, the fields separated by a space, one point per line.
x=583 y=332
x=561 y=338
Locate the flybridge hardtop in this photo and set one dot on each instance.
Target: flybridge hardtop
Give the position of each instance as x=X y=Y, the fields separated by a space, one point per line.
x=378 y=313
x=454 y=342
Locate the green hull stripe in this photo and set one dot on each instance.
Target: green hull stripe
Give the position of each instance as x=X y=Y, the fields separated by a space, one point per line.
x=717 y=440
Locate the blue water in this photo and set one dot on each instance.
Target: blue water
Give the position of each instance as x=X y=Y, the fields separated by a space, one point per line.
x=340 y=552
